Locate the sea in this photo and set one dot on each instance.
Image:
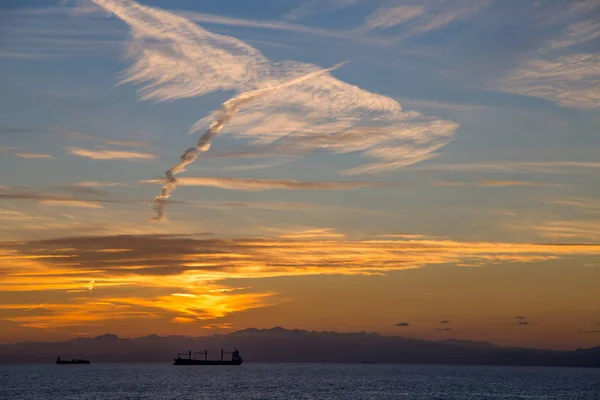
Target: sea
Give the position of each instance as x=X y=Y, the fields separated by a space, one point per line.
x=295 y=381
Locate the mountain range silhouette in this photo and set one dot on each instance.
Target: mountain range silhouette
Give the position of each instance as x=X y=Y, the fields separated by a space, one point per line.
x=283 y=345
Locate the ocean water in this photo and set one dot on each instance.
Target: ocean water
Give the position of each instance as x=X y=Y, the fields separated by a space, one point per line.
x=295 y=381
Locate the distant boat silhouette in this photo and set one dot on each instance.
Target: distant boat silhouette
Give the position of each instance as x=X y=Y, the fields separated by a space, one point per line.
x=72 y=361
x=235 y=359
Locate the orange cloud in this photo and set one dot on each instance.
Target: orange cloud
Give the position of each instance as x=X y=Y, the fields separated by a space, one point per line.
x=268 y=184
x=185 y=278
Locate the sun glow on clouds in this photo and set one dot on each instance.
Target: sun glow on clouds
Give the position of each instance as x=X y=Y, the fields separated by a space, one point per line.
x=185 y=279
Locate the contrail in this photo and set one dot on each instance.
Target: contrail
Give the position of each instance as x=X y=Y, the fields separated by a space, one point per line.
x=303 y=106
x=227 y=112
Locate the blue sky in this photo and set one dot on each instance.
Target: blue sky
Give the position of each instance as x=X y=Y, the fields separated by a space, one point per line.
x=470 y=120
x=467 y=62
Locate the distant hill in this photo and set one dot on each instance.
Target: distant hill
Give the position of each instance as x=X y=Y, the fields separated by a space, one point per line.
x=283 y=345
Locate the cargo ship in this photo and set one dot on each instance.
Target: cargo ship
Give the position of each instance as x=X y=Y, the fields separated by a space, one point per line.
x=73 y=361
x=235 y=358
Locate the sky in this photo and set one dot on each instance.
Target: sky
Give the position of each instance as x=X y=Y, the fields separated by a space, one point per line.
x=426 y=169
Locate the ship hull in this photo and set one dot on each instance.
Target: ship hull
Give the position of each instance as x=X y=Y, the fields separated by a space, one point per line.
x=183 y=361
x=73 y=362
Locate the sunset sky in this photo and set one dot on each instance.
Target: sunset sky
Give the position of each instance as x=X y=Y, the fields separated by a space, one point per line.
x=421 y=168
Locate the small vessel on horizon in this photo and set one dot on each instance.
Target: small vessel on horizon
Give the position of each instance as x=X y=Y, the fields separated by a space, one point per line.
x=72 y=361
x=236 y=359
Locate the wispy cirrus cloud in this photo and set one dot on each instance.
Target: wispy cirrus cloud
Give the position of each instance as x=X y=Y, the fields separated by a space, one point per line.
x=387 y=17
x=71 y=203
x=550 y=167
x=262 y=24
x=419 y=17
x=570 y=80
x=497 y=183
x=580 y=203
x=269 y=184
x=49 y=33
x=575 y=230
x=19 y=55
x=321 y=233
x=563 y=68
x=102 y=141
x=23 y=154
x=110 y=154
x=317 y=113
x=577 y=33
x=311 y=7
x=51 y=199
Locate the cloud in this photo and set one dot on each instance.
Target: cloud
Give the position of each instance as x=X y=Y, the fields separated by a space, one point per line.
x=549 y=167
x=302 y=11
x=401 y=324
x=570 y=81
x=91 y=188
x=580 y=203
x=576 y=23
x=71 y=203
x=110 y=154
x=420 y=17
x=145 y=276
x=578 y=33
x=326 y=233
x=36 y=33
x=102 y=140
x=268 y=184
x=443 y=329
x=521 y=320
x=22 y=154
x=588 y=229
x=51 y=199
x=497 y=183
x=406 y=236
x=127 y=143
x=15 y=131
x=183 y=320
x=96 y=184
x=17 y=55
x=32 y=155
x=444 y=321
x=386 y=17
x=169 y=60
x=310 y=7
x=262 y=24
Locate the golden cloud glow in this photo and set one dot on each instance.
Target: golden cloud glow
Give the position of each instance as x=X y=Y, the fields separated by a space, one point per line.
x=184 y=279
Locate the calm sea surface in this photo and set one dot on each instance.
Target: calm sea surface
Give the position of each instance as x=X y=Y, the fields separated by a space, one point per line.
x=295 y=381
